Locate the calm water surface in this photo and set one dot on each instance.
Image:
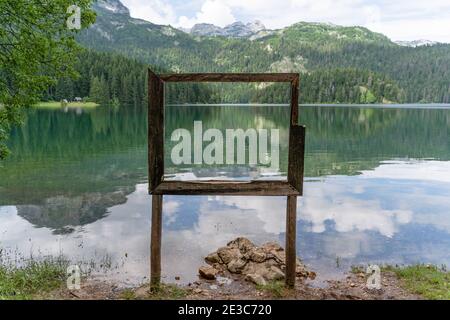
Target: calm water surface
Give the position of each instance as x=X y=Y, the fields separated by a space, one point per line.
x=377 y=189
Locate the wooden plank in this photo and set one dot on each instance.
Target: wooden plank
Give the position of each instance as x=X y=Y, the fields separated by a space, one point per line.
x=296 y=157
x=155 y=130
x=229 y=77
x=291 y=234
x=294 y=99
x=155 y=246
x=214 y=187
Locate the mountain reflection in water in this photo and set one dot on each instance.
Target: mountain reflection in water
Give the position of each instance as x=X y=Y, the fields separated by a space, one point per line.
x=376 y=189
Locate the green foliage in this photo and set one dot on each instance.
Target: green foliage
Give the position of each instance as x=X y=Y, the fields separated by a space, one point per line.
x=168 y=292
x=276 y=289
x=428 y=281
x=108 y=77
x=339 y=86
x=36 y=49
x=163 y=292
x=112 y=79
x=35 y=278
x=105 y=78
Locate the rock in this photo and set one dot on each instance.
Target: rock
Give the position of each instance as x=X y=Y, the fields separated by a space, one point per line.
x=279 y=256
x=243 y=244
x=236 y=266
x=272 y=262
x=227 y=254
x=274 y=274
x=301 y=271
x=213 y=258
x=256 y=279
x=253 y=267
x=224 y=280
x=208 y=272
x=257 y=255
x=257 y=264
x=271 y=246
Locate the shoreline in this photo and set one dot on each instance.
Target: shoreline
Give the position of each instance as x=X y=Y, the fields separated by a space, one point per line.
x=47 y=280
x=352 y=287
x=51 y=105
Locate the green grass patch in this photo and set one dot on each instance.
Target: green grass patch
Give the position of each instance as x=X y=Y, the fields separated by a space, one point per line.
x=164 y=292
x=57 y=105
x=33 y=280
x=168 y=291
x=276 y=289
x=128 y=294
x=430 y=282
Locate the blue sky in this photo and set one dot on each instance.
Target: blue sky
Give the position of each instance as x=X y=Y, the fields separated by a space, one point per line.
x=398 y=19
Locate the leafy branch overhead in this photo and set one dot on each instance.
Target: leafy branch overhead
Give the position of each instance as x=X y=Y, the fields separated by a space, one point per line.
x=36 y=48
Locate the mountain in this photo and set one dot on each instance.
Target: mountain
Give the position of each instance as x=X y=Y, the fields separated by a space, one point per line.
x=114 y=6
x=316 y=50
x=234 y=30
x=416 y=43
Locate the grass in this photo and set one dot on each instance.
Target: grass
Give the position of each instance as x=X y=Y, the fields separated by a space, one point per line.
x=428 y=281
x=276 y=289
x=128 y=294
x=32 y=280
x=164 y=292
x=57 y=105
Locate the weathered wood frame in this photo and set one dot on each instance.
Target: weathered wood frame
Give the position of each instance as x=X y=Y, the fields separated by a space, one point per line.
x=291 y=188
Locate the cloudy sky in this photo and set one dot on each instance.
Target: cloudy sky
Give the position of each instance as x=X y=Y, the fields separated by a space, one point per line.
x=399 y=20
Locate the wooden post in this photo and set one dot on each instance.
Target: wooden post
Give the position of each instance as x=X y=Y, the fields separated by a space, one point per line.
x=155 y=131
x=291 y=188
x=155 y=254
x=291 y=255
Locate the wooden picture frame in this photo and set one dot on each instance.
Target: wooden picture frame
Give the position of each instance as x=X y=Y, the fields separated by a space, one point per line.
x=291 y=188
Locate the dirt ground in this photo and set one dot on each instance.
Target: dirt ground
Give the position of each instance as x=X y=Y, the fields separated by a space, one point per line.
x=353 y=287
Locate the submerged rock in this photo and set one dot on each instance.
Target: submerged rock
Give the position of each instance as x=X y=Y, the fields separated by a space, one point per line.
x=258 y=265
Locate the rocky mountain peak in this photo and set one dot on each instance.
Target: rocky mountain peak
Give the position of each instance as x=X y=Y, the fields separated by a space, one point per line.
x=416 y=43
x=234 y=30
x=113 y=6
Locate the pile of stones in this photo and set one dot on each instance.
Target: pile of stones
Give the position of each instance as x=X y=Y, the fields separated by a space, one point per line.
x=259 y=265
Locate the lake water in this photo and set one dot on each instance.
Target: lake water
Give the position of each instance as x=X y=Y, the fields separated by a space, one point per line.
x=377 y=189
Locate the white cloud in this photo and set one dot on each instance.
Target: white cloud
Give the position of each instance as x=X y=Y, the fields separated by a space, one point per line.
x=155 y=11
x=348 y=203
x=399 y=20
x=412 y=170
x=212 y=11
x=334 y=202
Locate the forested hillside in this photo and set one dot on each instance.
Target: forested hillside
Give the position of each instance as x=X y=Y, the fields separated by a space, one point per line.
x=104 y=78
x=112 y=79
x=324 y=54
x=108 y=78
